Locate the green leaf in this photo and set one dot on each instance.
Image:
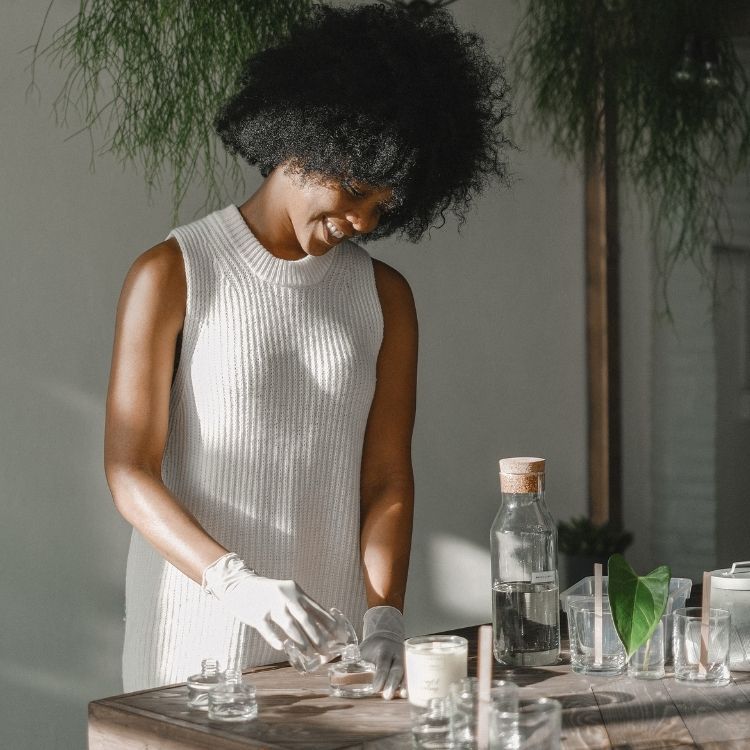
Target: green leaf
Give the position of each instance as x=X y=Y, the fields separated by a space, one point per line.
x=637 y=602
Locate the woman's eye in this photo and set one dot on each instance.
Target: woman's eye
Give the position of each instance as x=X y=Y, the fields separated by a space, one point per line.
x=351 y=189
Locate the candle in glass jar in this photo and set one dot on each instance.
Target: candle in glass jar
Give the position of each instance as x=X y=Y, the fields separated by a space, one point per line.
x=433 y=662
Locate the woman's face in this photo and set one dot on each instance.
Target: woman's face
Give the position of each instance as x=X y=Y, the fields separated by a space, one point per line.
x=324 y=212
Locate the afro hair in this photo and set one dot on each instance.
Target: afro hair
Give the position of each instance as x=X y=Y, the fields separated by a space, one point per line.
x=372 y=94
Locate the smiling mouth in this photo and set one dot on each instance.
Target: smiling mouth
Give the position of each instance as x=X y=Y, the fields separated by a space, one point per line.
x=333 y=230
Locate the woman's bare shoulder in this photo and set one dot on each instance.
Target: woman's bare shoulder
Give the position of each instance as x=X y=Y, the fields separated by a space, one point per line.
x=158 y=275
x=162 y=264
x=393 y=289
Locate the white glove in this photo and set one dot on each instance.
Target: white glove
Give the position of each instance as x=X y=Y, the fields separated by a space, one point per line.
x=277 y=609
x=383 y=644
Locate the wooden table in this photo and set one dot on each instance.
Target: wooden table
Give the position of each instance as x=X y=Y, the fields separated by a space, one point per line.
x=296 y=713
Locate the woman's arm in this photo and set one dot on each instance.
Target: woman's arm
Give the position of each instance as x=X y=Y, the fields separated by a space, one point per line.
x=150 y=316
x=387 y=482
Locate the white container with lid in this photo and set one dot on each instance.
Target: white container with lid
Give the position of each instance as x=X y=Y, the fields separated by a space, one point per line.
x=730 y=589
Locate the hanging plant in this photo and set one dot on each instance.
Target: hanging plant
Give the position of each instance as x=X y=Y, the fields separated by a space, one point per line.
x=681 y=96
x=147 y=78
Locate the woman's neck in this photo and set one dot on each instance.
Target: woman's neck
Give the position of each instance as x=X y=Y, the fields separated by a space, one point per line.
x=265 y=214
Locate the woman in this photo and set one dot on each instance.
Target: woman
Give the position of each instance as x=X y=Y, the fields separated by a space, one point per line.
x=263 y=381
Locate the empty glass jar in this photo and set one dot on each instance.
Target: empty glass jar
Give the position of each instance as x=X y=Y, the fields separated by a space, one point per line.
x=199 y=684
x=310 y=660
x=352 y=677
x=232 y=699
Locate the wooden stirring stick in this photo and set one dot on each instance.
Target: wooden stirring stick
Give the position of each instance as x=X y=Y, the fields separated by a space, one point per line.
x=705 y=620
x=484 y=682
x=597 y=614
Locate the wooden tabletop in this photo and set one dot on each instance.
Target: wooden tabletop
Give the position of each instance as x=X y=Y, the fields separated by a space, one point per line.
x=296 y=713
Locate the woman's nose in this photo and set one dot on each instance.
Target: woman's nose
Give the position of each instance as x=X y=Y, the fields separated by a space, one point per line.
x=364 y=219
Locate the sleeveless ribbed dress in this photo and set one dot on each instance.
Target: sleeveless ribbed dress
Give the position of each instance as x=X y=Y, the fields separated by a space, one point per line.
x=267 y=417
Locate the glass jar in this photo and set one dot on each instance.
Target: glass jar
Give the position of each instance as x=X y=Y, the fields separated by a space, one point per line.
x=199 y=684
x=310 y=659
x=232 y=699
x=352 y=677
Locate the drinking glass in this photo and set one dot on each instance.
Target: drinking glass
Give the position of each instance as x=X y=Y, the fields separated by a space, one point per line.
x=581 y=624
x=647 y=663
x=686 y=639
x=535 y=726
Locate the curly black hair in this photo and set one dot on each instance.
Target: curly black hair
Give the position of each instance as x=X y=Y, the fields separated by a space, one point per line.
x=370 y=93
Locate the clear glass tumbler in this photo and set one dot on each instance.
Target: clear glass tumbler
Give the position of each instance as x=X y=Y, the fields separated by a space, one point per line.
x=687 y=637
x=581 y=624
x=647 y=663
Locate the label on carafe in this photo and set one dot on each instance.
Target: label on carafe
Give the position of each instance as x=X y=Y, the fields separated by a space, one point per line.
x=543 y=576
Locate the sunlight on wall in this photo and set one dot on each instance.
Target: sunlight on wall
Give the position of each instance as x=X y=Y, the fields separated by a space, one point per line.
x=461 y=578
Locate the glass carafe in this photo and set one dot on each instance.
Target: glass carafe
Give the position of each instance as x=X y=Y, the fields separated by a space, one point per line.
x=525 y=586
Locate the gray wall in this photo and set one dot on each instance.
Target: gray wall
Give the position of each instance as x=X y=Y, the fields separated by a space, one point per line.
x=501 y=373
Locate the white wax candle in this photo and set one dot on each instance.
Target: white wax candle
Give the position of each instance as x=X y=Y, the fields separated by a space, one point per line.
x=432 y=664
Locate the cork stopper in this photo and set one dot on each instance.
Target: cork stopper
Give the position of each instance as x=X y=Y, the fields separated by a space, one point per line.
x=524 y=474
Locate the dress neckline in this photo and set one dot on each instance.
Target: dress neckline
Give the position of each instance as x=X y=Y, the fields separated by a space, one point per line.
x=306 y=271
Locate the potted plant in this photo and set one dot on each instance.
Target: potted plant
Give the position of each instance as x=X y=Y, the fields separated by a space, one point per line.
x=581 y=543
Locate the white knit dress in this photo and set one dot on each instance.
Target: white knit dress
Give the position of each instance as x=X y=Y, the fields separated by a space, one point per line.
x=266 y=424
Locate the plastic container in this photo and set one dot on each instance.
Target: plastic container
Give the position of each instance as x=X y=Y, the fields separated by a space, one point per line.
x=679 y=592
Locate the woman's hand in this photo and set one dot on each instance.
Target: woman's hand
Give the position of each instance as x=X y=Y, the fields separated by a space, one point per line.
x=277 y=609
x=383 y=645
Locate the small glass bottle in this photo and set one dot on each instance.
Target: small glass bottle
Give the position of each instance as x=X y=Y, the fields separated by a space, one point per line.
x=232 y=699
x=525 y=595
x=352 y=677
x=199 y=684
x=311 y=660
